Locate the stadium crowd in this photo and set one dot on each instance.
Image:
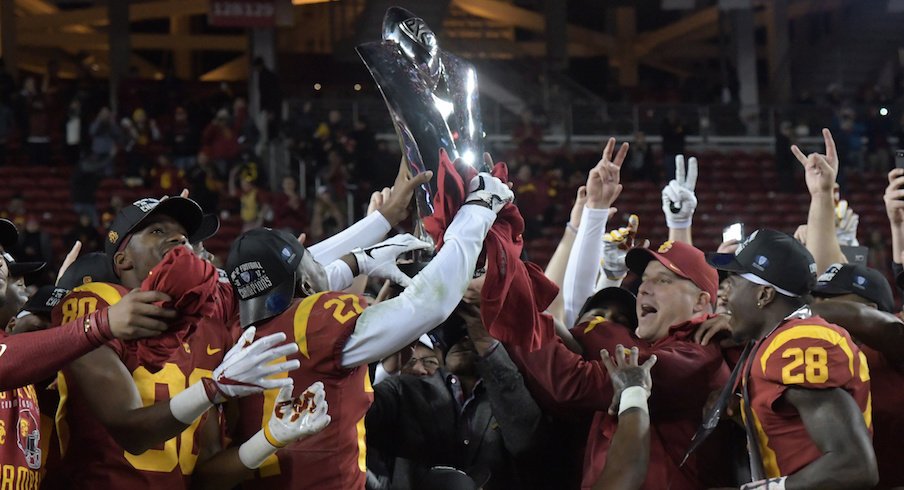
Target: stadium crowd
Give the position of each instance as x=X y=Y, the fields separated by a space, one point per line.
x=320 y=353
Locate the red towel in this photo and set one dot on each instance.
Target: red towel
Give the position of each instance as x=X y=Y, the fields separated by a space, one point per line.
x=192 y=283
x=515 y=293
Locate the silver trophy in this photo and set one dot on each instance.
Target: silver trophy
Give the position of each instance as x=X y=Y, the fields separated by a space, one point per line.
x=431 y=95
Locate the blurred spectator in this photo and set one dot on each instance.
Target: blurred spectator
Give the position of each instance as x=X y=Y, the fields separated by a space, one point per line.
x=252 y=203
x=75 y=131
x=327 y=218
x=183 y=140
x=15 y=210
x=105 y=137
x=527 y=134
x=785 y=163
x=206 y=183
x=85 y=232
x=270 y=95
x=141 y=133
x=7 y=126
x=219 y=142
x=34 y=243
x=35 y=122
x=672 y=131
x=289 y=210
x=878 y=149
x=166 y=180
x=640 y=160
x=533 y=199
x=849 y=134
x=84 y=193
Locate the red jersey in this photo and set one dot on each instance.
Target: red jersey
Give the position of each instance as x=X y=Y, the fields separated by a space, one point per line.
x=91 y=457
x=807 y=353
x=334 y=459
x=685 y=375
x=887 y=389
x=21 y=446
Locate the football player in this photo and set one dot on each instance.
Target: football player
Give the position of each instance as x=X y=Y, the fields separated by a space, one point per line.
x=804 y=383
x=283 y=289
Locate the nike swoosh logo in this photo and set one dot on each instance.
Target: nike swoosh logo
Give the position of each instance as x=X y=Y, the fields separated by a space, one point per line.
x=371 y=249
x=211 y=351
x=2 y=349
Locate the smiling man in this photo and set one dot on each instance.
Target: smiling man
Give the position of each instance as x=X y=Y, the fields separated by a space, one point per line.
x=676 y=295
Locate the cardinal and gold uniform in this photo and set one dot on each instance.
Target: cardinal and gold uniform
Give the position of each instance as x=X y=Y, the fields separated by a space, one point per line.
x=334 y=459
x=22 y=449
x=91 y=458
x=804 y=353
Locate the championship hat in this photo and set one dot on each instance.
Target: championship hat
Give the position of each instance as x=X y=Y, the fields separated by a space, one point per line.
x=856 y=279
x=19 y=269
x=771 y=258
x=261 y=267
x=613 y=295
x=40 y=302
x=210 y=225
x=92 y=267
x=684 y=260
x=132 y=218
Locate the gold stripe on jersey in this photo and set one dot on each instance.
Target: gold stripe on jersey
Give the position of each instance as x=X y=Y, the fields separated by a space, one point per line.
x=62 y=426
x=593 y=323
x=770 y=460
x=811 y=332
x=302 y=314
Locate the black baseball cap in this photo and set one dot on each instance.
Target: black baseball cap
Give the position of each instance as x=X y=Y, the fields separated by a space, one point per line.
x=9 y=235
x=856 y=279
x=92 y=267
x=20 y=269
x=210 y=225
x=772 y=258
x=40 y=302
x=132 y=218
x=618 y=296
x=261 y=267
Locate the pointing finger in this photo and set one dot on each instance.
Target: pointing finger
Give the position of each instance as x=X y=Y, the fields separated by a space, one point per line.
x=679 y=169
x=691 y=182
x=799 y=154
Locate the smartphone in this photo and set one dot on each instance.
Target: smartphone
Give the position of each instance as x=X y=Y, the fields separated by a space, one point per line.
x=733 y=231
x=899 y=158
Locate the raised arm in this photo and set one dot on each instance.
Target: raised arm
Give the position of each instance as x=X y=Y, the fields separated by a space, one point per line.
x=370 y=230
x=603 y=188
x=433 y=293
x=894 y=207
x=35 y=356
x=679 y=200
x=555 y=269
x=820 y=172
x=880 y=330
x=629 y=453
x=114 y=399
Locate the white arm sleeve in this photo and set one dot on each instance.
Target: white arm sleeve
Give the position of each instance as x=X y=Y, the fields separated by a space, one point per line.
x=604 y=282
x=432 y=296
x=364 y=233
x=382 y=374
x=338 y=275
x=583 y=262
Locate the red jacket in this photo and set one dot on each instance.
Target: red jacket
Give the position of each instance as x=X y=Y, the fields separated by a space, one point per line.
x=683 y=378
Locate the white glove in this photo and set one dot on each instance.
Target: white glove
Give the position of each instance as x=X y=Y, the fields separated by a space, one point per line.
x=380 y=260
x=490 y=190
x=846 y=222
x=245 y=368
x=770 y=484
x=678 y=198
x=292 y=419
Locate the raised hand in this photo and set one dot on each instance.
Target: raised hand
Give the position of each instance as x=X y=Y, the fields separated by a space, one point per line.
x=894 y=196
x=70 y=258
x=603 y=185
x=295 y=418
x=490 y=192
x=578 y=208
x=377 y=199
x=136 y=316
x=395 y=205
x=678 y=199
x=247 y=367
x=380 y=260
x=820 y=169
x=616 y=245
x=625 y=373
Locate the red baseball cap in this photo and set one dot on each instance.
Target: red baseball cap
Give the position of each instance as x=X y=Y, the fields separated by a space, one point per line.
x=685 y=260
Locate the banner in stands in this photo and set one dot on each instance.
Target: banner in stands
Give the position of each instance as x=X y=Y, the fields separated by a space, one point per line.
x=242 y=13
